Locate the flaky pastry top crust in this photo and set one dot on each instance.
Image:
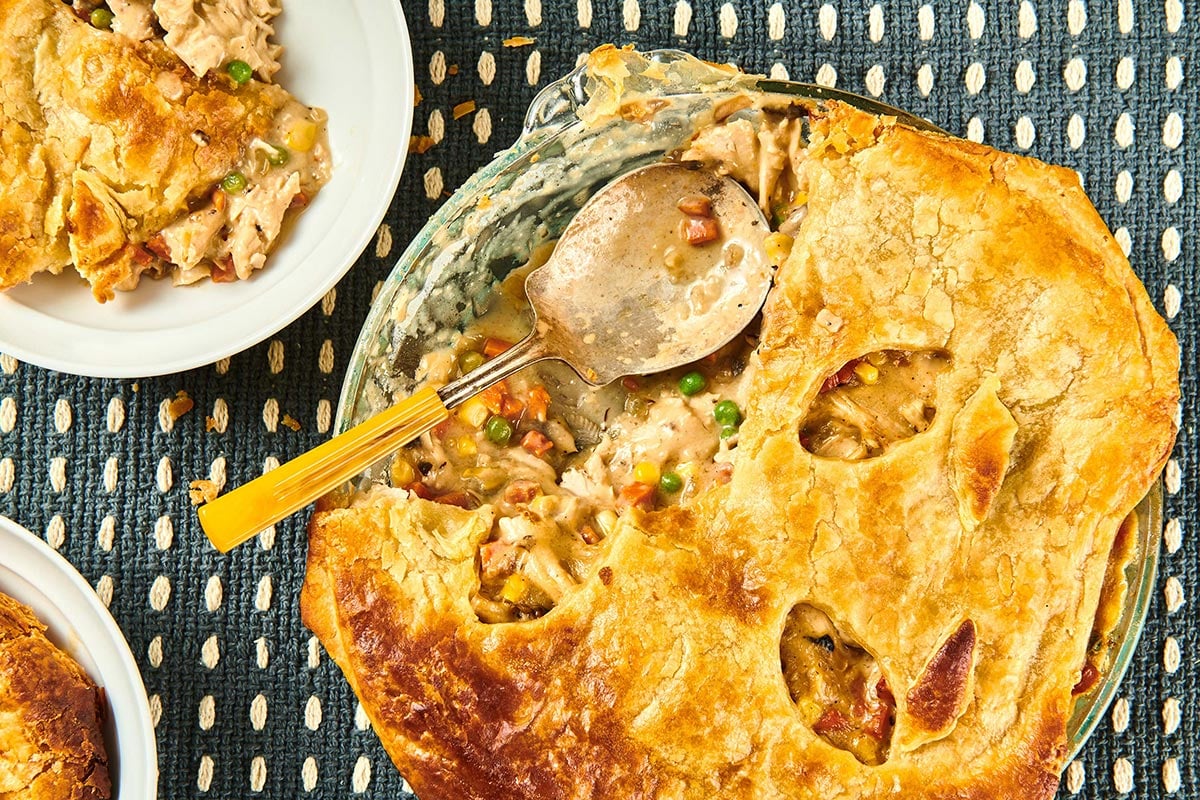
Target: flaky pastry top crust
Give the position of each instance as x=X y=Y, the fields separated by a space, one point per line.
x=967 y=560
x=51 y=744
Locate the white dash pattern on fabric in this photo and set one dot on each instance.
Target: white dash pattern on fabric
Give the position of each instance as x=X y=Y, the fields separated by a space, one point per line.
x=925 y=20
x=976 y=19
x=258 y=712
x=727 y=21
x=213 y=593
x=1027 y=23
x=56 y=532
x=210 y=652
x=1171 y=716
x=258 y=774
x=827 y=18
x=207 y=712
x=164 y=476
x=204 y=775
x=108 y=531
x=1122 y=774
x=361 y=779
x=312 y=713
x=308 y=774
x=1075 y=776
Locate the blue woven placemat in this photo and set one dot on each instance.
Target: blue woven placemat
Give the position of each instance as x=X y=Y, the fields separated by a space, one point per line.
x=246 y=702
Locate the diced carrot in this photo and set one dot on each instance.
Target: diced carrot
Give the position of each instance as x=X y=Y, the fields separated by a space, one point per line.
x=537 y=443
x=630 y=383
x=539 y=402
x=158 y=245
x=493 y=347
x=724 y=473
x=521 y=491
x=831 y=720
x=441 y=429
x=636 y=494
x=140 y=255
x=696 y=205
x=219 y=199
x=420 y=490
x=511 y=407
x=460 y=499
x=700 y=230
x=493 y=396
x=299 y=200
x=223 y=271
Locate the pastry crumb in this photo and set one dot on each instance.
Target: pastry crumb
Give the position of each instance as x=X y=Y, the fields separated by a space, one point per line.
x=180 y=405
x=518 y=41
x=463 y=109
x=202 y=491
x=290 y=422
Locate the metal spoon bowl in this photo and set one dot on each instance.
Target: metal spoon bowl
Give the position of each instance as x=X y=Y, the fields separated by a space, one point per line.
x=624 y=292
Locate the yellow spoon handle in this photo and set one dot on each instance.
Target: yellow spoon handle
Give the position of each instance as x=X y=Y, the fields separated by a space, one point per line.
x=233 y=518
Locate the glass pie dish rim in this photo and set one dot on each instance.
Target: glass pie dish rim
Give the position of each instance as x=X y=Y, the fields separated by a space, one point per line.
x=552 y=115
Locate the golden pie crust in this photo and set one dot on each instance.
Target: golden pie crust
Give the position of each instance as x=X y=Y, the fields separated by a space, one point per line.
x=105 y=141
x=51 y=745
x=967 y=560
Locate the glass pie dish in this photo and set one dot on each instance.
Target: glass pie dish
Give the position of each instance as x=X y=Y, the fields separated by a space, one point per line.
x=524 y=198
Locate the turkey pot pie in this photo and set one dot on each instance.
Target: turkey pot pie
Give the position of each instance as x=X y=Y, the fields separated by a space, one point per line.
x=882 y=583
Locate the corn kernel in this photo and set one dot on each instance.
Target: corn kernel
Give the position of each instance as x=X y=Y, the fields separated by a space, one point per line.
x=778 y=247
x=646 y=472
x=302 y=136
x=465 y=445
x=607 y=520
x=515 y=588
x=686 y=469
x=474 y=412
x=488 y=478
x=866 y=373
x=402 y=472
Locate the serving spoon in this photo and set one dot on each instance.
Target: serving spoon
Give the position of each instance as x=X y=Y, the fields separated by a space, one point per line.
x=661 y=267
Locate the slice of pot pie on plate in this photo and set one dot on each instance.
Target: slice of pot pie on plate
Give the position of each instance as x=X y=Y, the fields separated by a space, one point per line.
x=137 y=166
x=959 y=393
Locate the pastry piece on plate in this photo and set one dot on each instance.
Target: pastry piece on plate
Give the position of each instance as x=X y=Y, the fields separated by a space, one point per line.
x=960 y=393
x=51 y=714
x=134 y=165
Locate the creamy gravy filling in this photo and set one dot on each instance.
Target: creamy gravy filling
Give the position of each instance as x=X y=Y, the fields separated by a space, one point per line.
x=573 y=458
x=873 y=402
x=228 y=237
x=838 y=689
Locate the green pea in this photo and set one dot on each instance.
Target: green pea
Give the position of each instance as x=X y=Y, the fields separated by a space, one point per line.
x=470 y=361
x=728 y=430
x=240 y=71
x=692 y=383
x=278 y=156
x=498 y=430
x=234 y=182
x=670 y=482
x=101 y=18
x=727 y=412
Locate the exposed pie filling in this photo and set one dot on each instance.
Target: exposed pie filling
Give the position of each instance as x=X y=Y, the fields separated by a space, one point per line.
x=837 y=687
x=228 y=230
x=559 y=461
x=872 y=402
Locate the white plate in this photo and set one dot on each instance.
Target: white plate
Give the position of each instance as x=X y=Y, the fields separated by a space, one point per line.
x=80 y=624
x=352 y=58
